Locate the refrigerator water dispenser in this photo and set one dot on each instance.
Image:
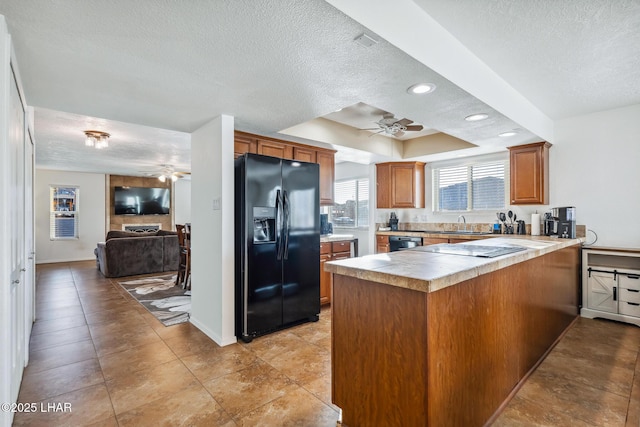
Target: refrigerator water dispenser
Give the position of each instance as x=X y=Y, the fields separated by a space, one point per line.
x=264 y=224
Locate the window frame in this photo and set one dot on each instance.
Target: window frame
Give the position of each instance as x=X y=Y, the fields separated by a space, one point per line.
x=356 y=225
x=53 y=229
x=469 y=163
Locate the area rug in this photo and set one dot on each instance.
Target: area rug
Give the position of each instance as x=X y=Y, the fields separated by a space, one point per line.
x=170 y=304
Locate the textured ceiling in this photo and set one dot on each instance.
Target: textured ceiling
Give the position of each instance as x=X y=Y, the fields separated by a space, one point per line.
x=567 y=57
x=273 y=65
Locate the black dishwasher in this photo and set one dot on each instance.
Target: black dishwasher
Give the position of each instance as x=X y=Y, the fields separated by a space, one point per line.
x=400 y=243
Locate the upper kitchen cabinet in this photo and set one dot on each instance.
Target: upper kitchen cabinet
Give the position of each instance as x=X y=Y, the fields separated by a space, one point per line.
x=327 y=176
x=243 y=144
x=400 y=185
x=249 y=143
x=275 y=149
x=529 y=165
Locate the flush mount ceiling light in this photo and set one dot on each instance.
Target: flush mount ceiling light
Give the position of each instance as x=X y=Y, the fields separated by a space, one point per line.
x=508 y=133
x=421 y=88
x=96 y=138
x=476 y=117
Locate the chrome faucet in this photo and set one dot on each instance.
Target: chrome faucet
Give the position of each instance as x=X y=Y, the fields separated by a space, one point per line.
x=464 y=221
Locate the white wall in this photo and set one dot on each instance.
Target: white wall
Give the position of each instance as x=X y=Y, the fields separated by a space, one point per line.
x=595 y=166
x=212 y=221
x=91 y=221
x=182 y=201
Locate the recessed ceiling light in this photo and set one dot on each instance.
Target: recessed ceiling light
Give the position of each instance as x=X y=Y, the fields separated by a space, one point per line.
x=476 y=117
x=421 y=88
x=508 y=133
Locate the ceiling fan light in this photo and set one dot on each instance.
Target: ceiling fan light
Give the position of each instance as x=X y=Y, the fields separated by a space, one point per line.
x=174 y=177
x=476 y=117
x=421 y=88
x=162 y=178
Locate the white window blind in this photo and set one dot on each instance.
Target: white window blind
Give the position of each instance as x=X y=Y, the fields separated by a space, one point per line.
x=351 y=207
x=63 y=212
x=479 y=186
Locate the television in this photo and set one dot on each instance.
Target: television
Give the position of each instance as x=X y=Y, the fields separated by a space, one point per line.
x=141 y=201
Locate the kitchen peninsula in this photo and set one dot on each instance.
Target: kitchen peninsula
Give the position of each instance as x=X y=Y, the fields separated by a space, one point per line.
x=434 y=339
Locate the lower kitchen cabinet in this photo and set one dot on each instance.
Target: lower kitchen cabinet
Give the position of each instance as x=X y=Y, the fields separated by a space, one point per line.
x=331 y=251
x=611 y=284
x=382 y=244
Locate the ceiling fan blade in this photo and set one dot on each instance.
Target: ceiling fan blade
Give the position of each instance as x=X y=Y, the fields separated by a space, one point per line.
x=370 y=128
x=415 y=127
x=404 y=122
x=375 y=133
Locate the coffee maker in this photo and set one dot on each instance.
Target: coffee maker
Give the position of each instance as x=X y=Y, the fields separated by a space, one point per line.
x=561 y=222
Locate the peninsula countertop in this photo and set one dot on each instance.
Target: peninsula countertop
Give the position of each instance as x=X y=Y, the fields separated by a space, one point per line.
x=429 y=272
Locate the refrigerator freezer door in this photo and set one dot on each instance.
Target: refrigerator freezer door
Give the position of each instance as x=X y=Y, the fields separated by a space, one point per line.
x=262 y=282
x=301 y=263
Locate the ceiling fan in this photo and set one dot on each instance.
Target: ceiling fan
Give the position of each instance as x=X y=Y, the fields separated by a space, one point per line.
x=166 y=172
x=391 y=126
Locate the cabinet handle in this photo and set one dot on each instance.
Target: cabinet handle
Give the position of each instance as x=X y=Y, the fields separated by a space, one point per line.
x=633 y=276
x=615 y=293
x=632 y=290
x=633 y=303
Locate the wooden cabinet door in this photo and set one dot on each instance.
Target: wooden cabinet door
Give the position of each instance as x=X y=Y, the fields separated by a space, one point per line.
x=400 y=185
x=529 y=173
x=242 y=144
x=434 y=240
x=325 y=280
x=383 y=186
x=382 y=244
x=327 y=177
x=304 y=154
x=275 y=149
x=403 y=186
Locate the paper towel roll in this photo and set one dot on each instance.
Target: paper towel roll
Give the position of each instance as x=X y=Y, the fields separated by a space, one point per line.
x=535 y=224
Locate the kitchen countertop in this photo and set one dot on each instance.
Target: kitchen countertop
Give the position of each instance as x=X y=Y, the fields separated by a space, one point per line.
x=429 y=272
x=445 y=235
x=335 y=237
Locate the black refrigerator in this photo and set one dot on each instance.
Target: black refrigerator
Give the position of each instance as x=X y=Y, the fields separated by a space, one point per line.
x=277 y=244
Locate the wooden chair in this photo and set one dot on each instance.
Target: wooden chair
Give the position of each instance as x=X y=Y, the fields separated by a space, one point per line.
x=183 y=278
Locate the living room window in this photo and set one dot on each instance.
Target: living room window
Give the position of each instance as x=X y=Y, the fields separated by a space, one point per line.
x=63 y=212
x=351 y=207
x=469 y=186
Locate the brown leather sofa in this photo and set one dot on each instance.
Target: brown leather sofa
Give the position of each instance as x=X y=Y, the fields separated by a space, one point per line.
x=128 y=254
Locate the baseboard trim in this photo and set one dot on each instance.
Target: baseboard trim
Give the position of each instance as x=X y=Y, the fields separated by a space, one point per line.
x=211 y=334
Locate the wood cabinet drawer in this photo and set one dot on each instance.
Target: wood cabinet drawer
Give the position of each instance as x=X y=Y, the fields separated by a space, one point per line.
x=325 y=248
x=340 y=255
x=630 y=308
x=343 y=246
x=434 y=240
x=382 y=239
x=630 y=281
x=629 y=295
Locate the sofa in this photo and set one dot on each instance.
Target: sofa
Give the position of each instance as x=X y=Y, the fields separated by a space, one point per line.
x=126 y=253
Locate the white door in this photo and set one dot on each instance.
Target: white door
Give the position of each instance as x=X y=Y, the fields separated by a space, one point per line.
x=29 y=242
x=600 y=292
x=16 y=218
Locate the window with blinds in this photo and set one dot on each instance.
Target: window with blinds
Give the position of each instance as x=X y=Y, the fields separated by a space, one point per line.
x=351 y=207
x=472 y=187
x=63 y=212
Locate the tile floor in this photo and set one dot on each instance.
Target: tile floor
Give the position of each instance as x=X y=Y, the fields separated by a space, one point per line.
x=97 y=349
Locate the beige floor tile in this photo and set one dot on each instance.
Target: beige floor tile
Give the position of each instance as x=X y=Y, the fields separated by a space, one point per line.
x=221 y=361
x=192 y=406
x=250 y=388
x=295 y=408
x=56 y=313
x=63 y=379
x=65 y=354
x=114 y=338
x=303 y=364
x=87 y=406
x=47 y=326
x=65 y=336
x=193 y=342
x=523 y=413
x=125 y=362
x=142 y=387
